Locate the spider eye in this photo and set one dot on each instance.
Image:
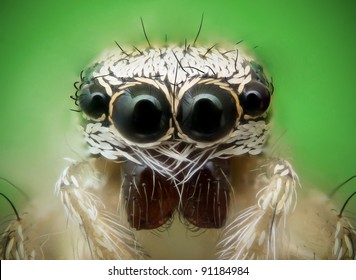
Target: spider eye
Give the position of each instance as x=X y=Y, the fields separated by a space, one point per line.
x=255 y=98
x=94 y=101
x=142 y=114
x=207 y=113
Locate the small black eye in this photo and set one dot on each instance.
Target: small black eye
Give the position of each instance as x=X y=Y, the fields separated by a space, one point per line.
x=142 y=114
x=94 y=101
x=207 y=113
x=255 y=98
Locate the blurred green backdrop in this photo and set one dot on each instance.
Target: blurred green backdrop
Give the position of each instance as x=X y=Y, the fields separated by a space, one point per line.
x=307 y=46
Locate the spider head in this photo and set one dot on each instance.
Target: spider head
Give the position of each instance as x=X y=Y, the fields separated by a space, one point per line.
x=173 y=104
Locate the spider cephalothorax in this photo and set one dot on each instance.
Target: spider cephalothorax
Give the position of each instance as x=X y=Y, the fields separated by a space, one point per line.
x=174 y=114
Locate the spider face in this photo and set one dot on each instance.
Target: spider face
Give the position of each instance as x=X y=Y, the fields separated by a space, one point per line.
x=174 y=115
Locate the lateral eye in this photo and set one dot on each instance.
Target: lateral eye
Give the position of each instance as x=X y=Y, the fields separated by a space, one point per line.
x=141 y=114
x=206 y=113
x=94 y=101
x=255 y=98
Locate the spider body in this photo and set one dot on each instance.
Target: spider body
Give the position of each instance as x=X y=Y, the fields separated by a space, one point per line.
x=183 y=130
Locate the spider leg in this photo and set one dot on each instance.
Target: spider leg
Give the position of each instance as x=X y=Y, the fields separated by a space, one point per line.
x=260 y=230
x=103 y=232
x=272 y=225
x=318 y=231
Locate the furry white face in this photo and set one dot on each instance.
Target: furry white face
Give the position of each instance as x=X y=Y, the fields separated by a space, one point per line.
x=174 y=108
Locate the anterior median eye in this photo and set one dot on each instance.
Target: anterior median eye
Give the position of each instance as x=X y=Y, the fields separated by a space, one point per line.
x=141 y=114
x=255 y=98
x=94 y=101
x=207 y=113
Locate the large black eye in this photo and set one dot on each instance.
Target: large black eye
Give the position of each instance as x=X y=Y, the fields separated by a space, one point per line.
x=142 y=114
x=255 y=98
x=207 y=113
x=94 y=101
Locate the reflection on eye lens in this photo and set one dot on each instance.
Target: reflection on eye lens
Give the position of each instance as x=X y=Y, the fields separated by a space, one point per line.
x=94 y=101
x=207 y=113
x=255 y=98
x=142 y=114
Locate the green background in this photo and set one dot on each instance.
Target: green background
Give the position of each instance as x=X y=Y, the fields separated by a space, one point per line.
x=309 y=47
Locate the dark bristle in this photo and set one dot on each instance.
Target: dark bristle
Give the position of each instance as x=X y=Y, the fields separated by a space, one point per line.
x=12 y=205
x=166 y=41
x=211 y=69
x=185 y=45
x=81 y=76
x=138 y=50
x=200 y=26
x=228 y=52
x=345 y=204
x=16 y=188
x=341 y=185
x=208 y=50
x=144 y=32
x=76 y=85
x=122 y=50
x=180 y=65
x=195 y=68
